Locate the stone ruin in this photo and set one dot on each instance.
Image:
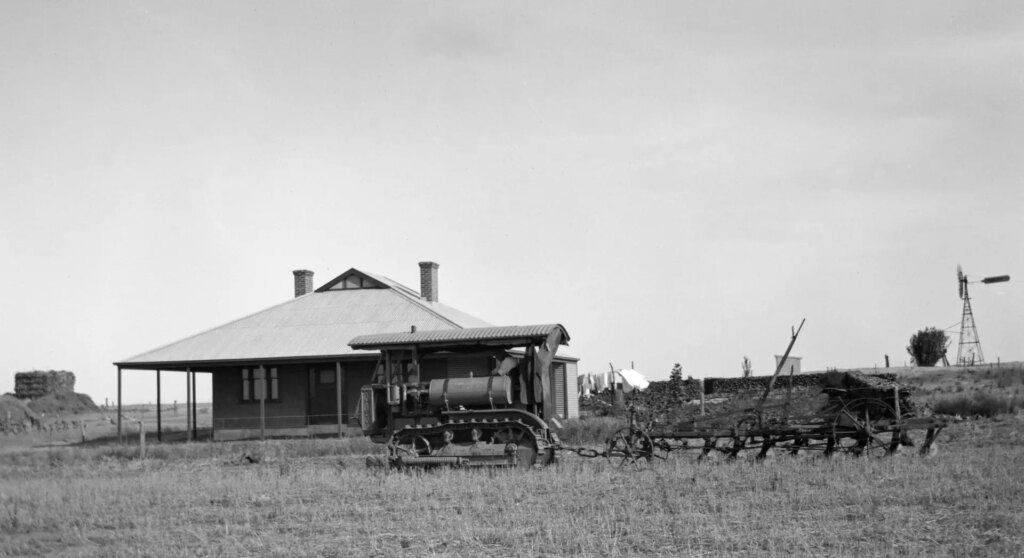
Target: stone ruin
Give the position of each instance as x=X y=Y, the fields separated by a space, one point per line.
x=37 y=384
x=43 y=400
x=810 y=393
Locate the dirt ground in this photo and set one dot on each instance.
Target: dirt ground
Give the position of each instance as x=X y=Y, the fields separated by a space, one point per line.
x=101 y=427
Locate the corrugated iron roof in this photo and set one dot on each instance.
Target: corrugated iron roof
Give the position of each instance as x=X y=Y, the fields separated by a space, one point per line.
x=483 y=335
x=318 y=324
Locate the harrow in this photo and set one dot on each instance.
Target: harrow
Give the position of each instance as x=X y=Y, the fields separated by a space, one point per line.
x=857 y=426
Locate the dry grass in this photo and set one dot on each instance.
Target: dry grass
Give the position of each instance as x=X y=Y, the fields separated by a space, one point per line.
x=986 y=390
x=315 y=498
x=983 y=404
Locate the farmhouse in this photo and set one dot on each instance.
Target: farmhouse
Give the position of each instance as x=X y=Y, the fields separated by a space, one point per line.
x=313 y=378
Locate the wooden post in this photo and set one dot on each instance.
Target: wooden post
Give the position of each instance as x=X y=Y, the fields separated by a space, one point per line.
x=119 y=405
x=702 y=397
x=82 y=424
x=337 y=394
x=195 y=415
x=261 y=393
x=142 y=439
x=159 y=424
x=388 y=375
x=188 y=400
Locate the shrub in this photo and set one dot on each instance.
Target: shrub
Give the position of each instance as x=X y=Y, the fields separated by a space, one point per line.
x=927 y=346
x=978 y=404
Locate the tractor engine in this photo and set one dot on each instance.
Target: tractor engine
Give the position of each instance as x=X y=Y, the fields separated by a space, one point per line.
x=494 y=420
x=405 y=404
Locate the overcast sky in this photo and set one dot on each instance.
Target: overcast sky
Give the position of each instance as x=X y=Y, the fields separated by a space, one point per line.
x=673 y=182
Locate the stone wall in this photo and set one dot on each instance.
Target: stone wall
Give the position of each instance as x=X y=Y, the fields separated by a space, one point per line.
x=714 y=386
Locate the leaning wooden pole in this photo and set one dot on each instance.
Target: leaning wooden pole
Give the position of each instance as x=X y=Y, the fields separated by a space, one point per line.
x=771 y=383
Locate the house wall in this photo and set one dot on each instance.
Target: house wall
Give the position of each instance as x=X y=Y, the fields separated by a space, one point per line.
x=230 y=411
x=558 y=389
x=292 y=408
x=572 y=407
x=355 y=375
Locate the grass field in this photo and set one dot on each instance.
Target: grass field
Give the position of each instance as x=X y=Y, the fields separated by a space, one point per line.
x=316 y=498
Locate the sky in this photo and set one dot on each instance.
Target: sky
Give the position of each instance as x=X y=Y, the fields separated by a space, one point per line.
x=672 y=181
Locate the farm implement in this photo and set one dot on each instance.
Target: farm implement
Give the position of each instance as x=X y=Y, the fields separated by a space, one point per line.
x=839 y=413
x=857 y=417
x=500 y=418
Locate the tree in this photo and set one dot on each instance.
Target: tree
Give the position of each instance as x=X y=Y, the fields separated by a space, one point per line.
x=675 y=383
x=676 y=375
x=927 y=346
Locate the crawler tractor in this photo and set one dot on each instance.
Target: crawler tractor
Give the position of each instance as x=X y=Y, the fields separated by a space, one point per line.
x=496 y=418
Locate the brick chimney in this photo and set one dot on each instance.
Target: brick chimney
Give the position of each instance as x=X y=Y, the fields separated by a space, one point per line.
x=428 y=281
x=303 y=281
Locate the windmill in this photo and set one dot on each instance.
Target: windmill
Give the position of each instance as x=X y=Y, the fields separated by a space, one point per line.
x=969 y=351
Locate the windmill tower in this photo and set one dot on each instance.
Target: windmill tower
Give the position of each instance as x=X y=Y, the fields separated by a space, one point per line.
x=969 y=351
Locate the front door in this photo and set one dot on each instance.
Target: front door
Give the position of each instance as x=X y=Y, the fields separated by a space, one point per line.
x=323 y=396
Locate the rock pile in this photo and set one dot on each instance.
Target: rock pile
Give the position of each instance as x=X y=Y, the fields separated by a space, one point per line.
x=51 y=392
x=758 y=383
x=15 y=416
x=854 y=384
x=36 y=384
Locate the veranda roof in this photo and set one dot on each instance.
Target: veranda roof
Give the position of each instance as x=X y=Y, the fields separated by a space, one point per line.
x=478 y=336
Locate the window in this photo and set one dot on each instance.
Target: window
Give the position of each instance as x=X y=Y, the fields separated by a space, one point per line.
x=249 y=385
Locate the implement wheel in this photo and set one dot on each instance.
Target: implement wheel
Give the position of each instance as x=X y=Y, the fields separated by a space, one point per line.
x=865 y=428
x=630 y=446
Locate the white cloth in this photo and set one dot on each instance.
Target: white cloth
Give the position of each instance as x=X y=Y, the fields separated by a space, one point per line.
x=631 y=379
x=585 y=384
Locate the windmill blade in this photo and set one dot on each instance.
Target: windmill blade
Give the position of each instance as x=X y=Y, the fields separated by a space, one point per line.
x=960 y=280
x=996 y=279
